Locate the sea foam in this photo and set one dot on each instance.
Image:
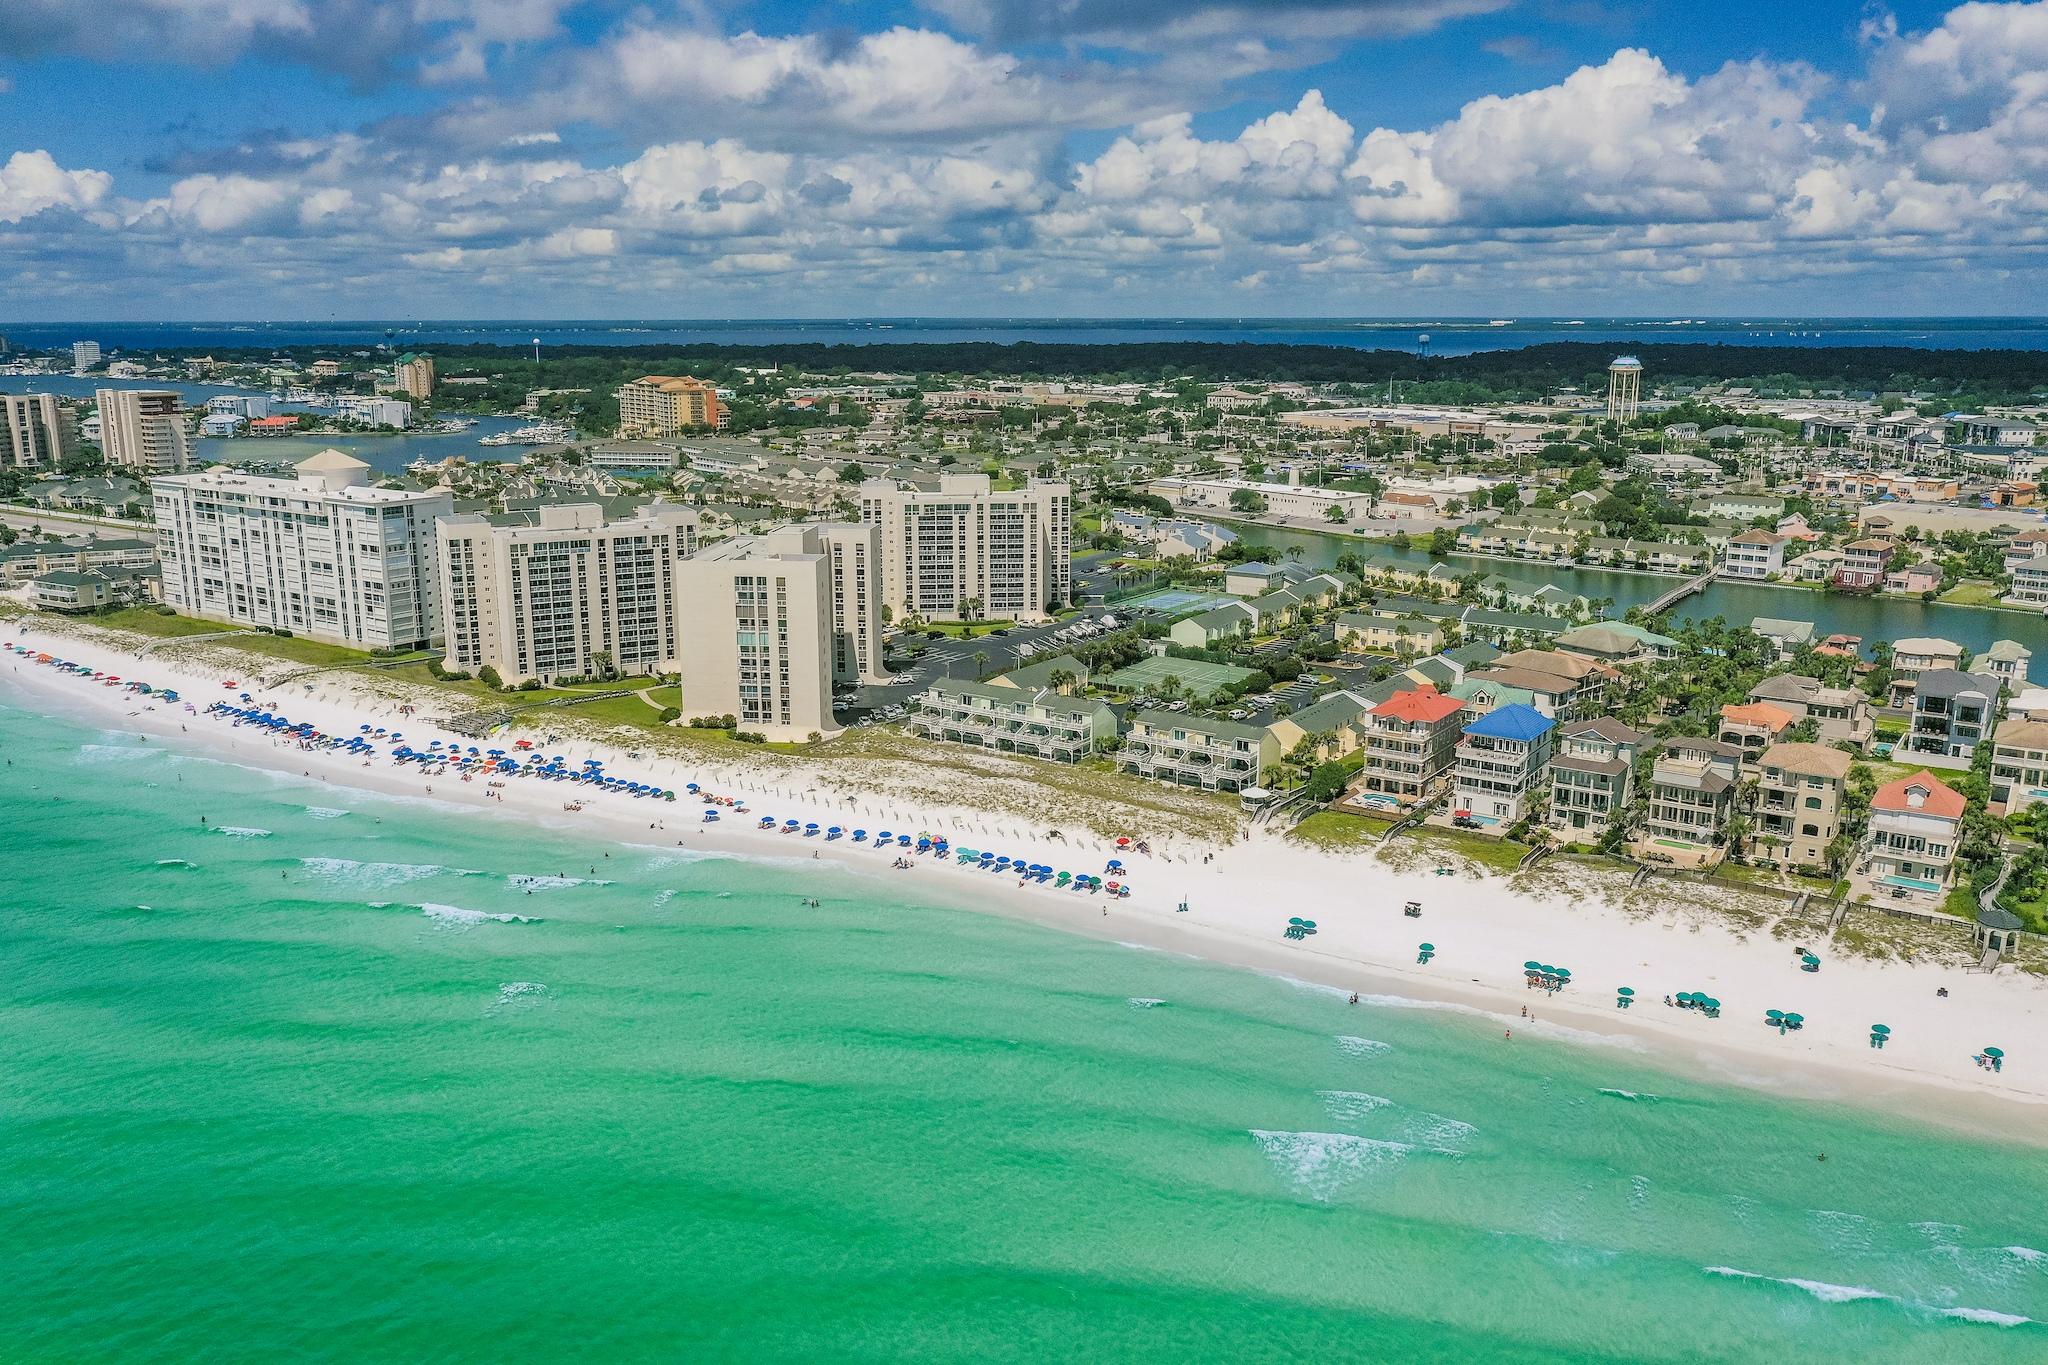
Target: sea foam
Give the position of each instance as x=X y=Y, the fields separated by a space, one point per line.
x=1819 y=1289
x=241 y=832
x=457 y=917
x=1143 y=1002
x=1322 y=1164
x=350 y=872
x=1361 y=1047
x=325 y=812
x=1349 y=1106
x=527 y=882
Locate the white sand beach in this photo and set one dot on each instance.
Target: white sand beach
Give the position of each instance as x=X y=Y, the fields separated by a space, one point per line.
x=1239 y=898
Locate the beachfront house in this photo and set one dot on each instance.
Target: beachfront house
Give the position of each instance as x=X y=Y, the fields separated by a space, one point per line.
x=1324 y=730
x=2019 y=764
x=1754 y=726
x=1754 y=556
x=1798 y=803
x=1411 y=740
x=1952 y=712
x=1499 y=764
x=1592 y=771
x=1386 y=633
x=1915 y=825
x=1692 y=791
x=1192 y=751
x=1042 y=723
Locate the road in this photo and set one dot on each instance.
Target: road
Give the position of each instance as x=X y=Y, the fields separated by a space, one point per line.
x=45 y=519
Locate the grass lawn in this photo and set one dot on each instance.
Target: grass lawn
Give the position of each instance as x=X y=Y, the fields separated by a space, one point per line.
x=147 y=621
x=1890 y=727
x=1338 y=832
x=964 y=630
x=1501 y=855
x=1971 y=593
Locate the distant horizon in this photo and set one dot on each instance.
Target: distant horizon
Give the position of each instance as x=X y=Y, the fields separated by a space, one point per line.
x=1664 y=318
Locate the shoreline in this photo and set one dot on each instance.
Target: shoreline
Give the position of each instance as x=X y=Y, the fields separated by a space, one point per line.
x=1240 y=895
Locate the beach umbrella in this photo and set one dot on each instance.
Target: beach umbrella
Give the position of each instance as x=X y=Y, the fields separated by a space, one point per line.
x=1793 y=1020
x=1625 y=990
x=1880 y=1028
x=859 y=835
x=1426 y=948
x=1532 y=966
x=1994 y=1052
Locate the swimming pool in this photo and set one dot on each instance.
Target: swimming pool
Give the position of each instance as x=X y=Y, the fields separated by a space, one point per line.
x=1910 y=883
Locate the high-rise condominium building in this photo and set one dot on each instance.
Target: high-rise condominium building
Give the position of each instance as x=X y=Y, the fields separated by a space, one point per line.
x=854 y=568
x=415 y=374
x=145 y=429
x=84 y=354
x=324 y=555
x=543 y=597
x=663 y=405
x=35 y=432
x=970 y=549
x=756 y=619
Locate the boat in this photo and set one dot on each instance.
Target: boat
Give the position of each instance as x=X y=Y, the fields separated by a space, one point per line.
x=539 y=434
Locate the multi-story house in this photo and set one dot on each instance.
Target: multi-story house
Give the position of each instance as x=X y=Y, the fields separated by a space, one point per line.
x=1500 y=764
x=1754 y=726
x=1403 y=635
x=1952 y=712
x=1798 y=803
x=1559 y=683
x=2019 y=764
x=2029 y=583
x=1192 y=751
x=1864 y=564
x=1789 y=636
x=1842 y=713
x=1592 y=772
x=1915 y=826
x=1411 y=741
x=1042 y=723
x=1915 y=655
x=1754 y=555
x=2008 y=661
x=1692 y=791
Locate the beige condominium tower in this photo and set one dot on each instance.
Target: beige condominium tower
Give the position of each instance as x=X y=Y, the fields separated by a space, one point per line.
x=762 y=622
x=968 y=549
x=35 y=433
x=663 y=405
x=563 y=593
x=145 y=430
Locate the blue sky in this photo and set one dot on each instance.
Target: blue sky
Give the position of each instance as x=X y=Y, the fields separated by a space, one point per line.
x=598 y=158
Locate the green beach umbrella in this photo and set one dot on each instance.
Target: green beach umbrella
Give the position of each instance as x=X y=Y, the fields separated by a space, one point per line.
x=1795 y=1019
x=1306 y=923
x=1427 y=948
x=1624 y=990
x=1880 y=1028
x=1994 y=1052
x=1812 y=959
x=1774 y=1014
x=1532 y=966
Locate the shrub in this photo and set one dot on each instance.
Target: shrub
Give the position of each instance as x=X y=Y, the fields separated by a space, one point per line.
x=166 y=611
x=749 y=737
x=671 y=714
x=489 y=677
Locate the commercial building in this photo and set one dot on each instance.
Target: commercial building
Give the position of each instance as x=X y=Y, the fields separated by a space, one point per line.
x=1500 y=763
x=36 y=432
x=755 y=615
x=1592 y=770
x=1799 y=803
x=414 y=376
x=324 y=554
x=145 y=429
x=665 y=405
x=969 y=549
x=563 y=593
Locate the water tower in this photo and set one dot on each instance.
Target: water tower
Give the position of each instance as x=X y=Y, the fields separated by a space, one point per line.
x=1624 y=389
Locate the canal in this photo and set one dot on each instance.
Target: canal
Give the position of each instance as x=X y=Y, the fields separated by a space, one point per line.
x=1873 y=618
x=385 y=454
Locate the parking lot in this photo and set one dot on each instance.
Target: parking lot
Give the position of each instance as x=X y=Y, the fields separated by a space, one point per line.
x=951 y=658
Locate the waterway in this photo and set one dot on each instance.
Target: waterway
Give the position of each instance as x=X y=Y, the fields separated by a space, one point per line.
x=1873 y=618
x=1434 y=336
x=387 y=454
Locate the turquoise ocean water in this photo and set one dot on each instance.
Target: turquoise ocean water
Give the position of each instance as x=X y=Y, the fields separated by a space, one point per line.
x=346 y=1077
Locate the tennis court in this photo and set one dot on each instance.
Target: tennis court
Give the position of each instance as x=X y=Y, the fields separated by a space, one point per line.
x=1178 y=601
x=1197 y=677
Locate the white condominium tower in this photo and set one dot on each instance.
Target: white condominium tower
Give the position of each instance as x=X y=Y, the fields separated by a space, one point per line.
x=967 y=548
x=543 y=596
x=855 y=568
x=145 y=430
x=324 y=555
x=756 y=615
x=35 y=433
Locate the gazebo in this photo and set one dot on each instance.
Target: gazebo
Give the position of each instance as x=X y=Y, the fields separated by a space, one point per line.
x=1998 y=931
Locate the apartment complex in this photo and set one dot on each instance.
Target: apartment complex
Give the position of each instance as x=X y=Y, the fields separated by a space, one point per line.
x=1799 y=803
x=35 y=431
x=323 y=555
x=665 y=405
x=145 y=429
x=563 y=593
x=968 y=548
x=1191 y=751
x=757 y=612
x=414 y=375
x=1037 y=721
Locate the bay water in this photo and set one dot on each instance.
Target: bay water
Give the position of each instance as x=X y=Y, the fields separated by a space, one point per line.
x=334 y=1075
